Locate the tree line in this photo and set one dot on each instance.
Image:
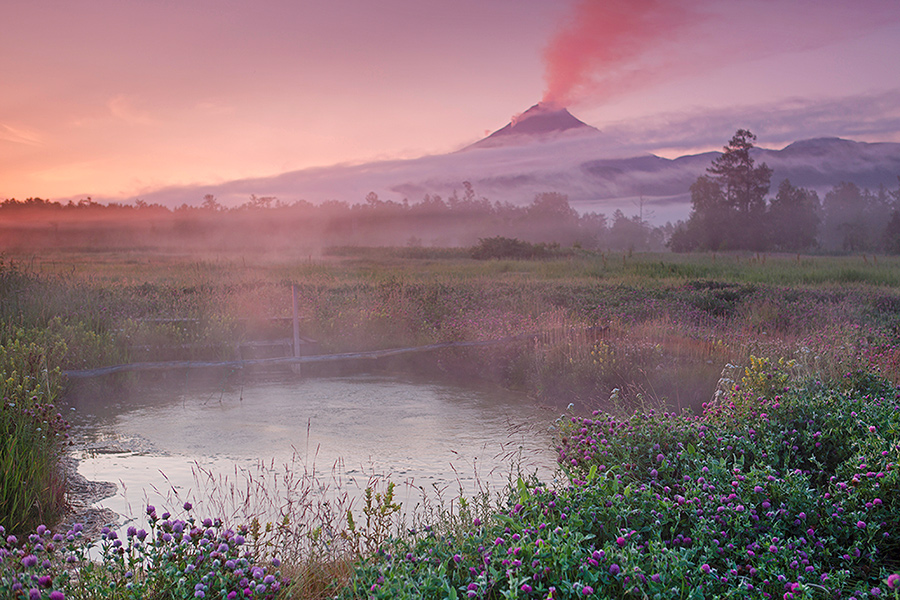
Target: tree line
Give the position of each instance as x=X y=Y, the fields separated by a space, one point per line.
x=457 y=220
x=730 y=211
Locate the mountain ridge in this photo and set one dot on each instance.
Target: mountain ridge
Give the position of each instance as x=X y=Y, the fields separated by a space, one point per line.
x=546 y=150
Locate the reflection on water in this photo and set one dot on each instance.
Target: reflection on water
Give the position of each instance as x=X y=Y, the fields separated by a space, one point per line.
x=153 y=437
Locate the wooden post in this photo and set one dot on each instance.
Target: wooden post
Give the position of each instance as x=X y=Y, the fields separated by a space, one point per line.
x=296 y=320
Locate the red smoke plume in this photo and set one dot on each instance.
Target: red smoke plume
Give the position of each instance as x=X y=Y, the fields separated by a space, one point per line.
x=609 y=47
x=599 y=51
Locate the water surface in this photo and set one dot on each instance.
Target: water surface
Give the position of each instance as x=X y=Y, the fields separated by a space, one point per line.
x=153 y=438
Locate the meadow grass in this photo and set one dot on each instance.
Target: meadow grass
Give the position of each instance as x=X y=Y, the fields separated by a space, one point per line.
x=642 y=339
x=656 y=325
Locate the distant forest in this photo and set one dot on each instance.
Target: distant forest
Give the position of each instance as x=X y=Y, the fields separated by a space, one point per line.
x=730 y=211
x=267 y=223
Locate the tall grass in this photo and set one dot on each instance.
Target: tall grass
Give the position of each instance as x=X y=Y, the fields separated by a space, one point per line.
x=32 y=435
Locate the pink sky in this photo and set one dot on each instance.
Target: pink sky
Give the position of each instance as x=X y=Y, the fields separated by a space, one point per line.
x=115 y=98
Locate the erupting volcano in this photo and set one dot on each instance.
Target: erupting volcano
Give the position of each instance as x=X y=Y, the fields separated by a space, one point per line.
x=541 y=122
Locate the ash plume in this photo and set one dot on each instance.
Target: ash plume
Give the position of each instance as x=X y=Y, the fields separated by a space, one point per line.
x=610 y=47
x=595 y=52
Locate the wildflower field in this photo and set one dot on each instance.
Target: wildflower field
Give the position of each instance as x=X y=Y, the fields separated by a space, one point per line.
x=733 y=427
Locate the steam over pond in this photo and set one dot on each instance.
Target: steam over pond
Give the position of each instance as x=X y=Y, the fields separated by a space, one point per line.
x=152 y=437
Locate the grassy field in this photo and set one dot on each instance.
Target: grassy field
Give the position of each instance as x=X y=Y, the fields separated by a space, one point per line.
x=661 y=326
x=787 y=345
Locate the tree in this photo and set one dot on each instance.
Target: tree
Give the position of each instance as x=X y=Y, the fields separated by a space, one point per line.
x=744 y=186
x=728 y=205
x=551 y=219
x=710 y=222
x=845 y=218
x=891 y=238
x=794 y=218
x=211 y=204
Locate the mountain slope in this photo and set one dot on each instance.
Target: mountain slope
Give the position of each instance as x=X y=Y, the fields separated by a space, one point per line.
x=540 y=123
x=548 y=149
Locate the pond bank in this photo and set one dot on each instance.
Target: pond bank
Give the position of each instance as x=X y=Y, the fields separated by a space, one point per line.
x=81 y=495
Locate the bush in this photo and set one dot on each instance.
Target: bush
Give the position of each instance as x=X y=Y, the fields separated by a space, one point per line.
x=501 y=247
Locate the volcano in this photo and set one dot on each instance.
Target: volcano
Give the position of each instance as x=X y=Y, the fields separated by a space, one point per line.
x=539 y=123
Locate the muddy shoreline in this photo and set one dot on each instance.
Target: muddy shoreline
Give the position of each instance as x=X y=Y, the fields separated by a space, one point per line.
x=81 y=495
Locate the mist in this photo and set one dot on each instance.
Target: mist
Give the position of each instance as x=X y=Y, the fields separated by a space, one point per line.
x=598 y=172
x=265 y=223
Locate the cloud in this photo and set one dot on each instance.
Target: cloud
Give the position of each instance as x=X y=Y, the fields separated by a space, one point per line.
x=871 y=117
x=123 y=107
x=214 y=108
x=20 y=135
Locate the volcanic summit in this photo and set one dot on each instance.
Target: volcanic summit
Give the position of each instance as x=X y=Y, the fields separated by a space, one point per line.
x=541 y=122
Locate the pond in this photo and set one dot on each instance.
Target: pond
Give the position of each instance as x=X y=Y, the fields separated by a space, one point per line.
x=175 y=436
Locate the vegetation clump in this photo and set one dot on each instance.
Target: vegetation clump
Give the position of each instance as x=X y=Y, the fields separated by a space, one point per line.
x=514 y=248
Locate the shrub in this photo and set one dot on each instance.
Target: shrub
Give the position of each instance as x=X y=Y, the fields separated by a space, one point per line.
x=501 y=247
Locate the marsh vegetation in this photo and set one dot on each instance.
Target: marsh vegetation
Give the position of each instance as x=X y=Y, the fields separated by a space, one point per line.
x=642 y=339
